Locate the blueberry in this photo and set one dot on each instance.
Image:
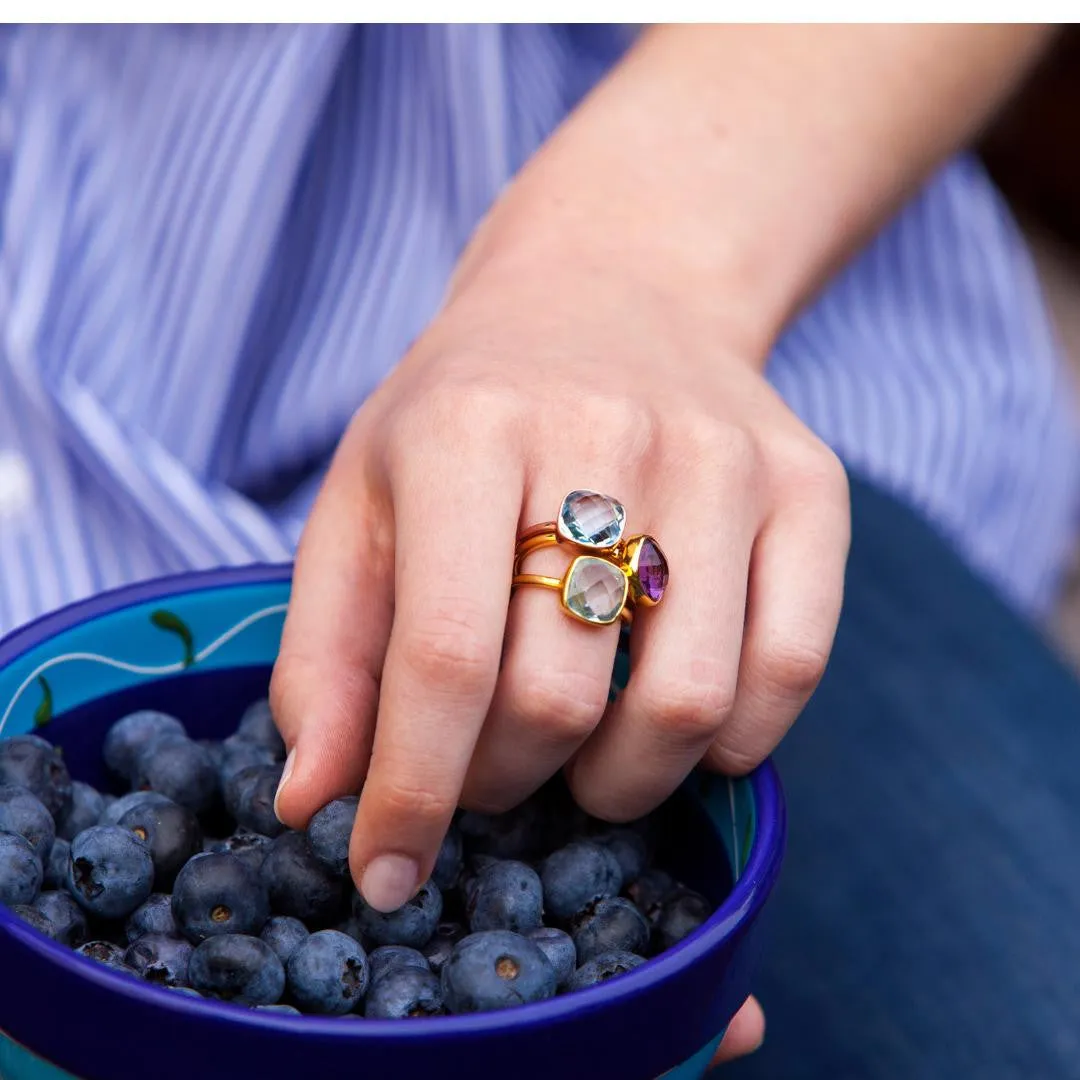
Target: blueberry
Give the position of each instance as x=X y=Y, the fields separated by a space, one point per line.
x=329 y=832
x=30 y=762
x=216 y=894
x=172 y=834
x=351 y=926
x=412 y=924
x=650 y=890
x=238 y=754
x=517 y=834
x=66 y=919
x=154 y=916
x=178 y=768
x=127 y=738
x=161 y=959
x=328 y=974
x=577 y=876
x=495 y=969
x=558 y=946
x=283 y=934
x=115 y=810
x=402 y=992
x=32 y=917
x=249 y=797
x=216 y=749
x=613 y=925
x=105 y=952
x=629 y=848
x=449 y=863
x=562 y=819
x=299 y=885
x=507 y=896
x=189 y=991
x=249 y=847
x=111 y=872
x=25 y=814
x=57 y=867
x=385 y=957
x=85 y=809
x=236 y=967
x=470 y=875
x=681 y=914
x=441 y=946
x=257 y=726
x=603 y=967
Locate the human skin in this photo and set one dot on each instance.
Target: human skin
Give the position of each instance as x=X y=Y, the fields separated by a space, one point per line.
x=608 y=328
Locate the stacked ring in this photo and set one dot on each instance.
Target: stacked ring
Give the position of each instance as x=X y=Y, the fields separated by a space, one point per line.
x=610 y=575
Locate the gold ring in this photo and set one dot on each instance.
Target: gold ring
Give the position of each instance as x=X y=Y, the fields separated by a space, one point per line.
x=589 y=591
x=611 y=575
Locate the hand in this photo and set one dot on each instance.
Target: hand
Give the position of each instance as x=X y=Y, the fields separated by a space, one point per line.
x=535 y=379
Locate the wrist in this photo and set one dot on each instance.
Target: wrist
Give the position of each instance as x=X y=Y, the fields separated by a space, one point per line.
x=728 y=172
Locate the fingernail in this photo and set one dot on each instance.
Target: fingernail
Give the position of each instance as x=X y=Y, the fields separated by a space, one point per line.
x=285 y=774
x=389 y=882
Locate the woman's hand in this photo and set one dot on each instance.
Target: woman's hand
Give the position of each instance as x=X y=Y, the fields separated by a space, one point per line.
x=607 y=329
x=538 y=378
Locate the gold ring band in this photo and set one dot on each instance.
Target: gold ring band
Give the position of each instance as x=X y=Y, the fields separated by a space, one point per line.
x=625 y=613
x=609 y=575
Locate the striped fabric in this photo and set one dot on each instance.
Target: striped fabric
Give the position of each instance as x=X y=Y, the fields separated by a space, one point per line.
x=216 y=241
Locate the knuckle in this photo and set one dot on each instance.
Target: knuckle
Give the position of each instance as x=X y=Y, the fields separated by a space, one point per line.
x=824 y=472
x=810 y=467
x=618 y=425
x=447 y=649
x=691 y=710
x=733 y=760
x=595 y=793
x=415 y=801
x=461 y=409
x=791 y=669
x=481 y=412
x=562 y=707
x=721 y=446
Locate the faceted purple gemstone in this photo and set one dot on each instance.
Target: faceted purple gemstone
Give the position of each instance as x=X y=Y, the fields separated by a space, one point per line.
x=652 y=570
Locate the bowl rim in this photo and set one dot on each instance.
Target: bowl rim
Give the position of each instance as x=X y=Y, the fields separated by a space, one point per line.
x=739 y=908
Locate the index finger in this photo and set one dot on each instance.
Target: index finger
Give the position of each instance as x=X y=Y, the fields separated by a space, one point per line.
x=456 y=520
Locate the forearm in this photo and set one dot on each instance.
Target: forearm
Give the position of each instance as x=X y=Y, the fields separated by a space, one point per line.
x=743 y=164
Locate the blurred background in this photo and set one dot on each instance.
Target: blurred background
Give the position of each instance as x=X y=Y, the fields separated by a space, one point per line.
x=1034 y=155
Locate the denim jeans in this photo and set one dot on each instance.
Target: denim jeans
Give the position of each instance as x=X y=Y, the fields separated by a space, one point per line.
x=927 y=922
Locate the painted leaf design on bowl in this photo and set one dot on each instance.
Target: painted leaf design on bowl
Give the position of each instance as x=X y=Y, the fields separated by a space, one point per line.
x=167 y=620
x=44 y=712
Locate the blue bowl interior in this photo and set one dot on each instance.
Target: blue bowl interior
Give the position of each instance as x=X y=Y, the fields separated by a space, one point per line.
x=201 y=648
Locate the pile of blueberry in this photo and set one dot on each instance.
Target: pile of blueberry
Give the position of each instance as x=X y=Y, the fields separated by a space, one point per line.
x=190 y=881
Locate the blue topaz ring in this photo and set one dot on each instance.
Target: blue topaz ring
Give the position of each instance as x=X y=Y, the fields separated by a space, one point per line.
x=610 y=574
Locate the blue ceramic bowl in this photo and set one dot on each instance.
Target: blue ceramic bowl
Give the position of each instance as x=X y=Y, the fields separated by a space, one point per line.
x=201 y=646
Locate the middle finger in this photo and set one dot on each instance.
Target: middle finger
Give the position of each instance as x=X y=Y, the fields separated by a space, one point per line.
x=554 y=682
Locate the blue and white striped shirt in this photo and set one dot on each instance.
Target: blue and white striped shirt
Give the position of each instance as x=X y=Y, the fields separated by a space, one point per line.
x=216 y=241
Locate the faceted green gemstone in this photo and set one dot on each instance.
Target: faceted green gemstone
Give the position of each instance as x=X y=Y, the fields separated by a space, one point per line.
x=595 y=590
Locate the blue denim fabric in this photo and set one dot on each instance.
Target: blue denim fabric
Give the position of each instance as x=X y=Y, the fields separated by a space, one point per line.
x=927 y=924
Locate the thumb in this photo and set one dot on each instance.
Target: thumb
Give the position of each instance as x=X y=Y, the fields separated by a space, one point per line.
x=744 y=1035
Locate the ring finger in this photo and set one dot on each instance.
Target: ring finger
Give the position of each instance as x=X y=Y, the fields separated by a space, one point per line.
x=685 y=653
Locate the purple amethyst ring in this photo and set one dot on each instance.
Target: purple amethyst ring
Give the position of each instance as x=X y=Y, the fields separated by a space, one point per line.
x=610 y=574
